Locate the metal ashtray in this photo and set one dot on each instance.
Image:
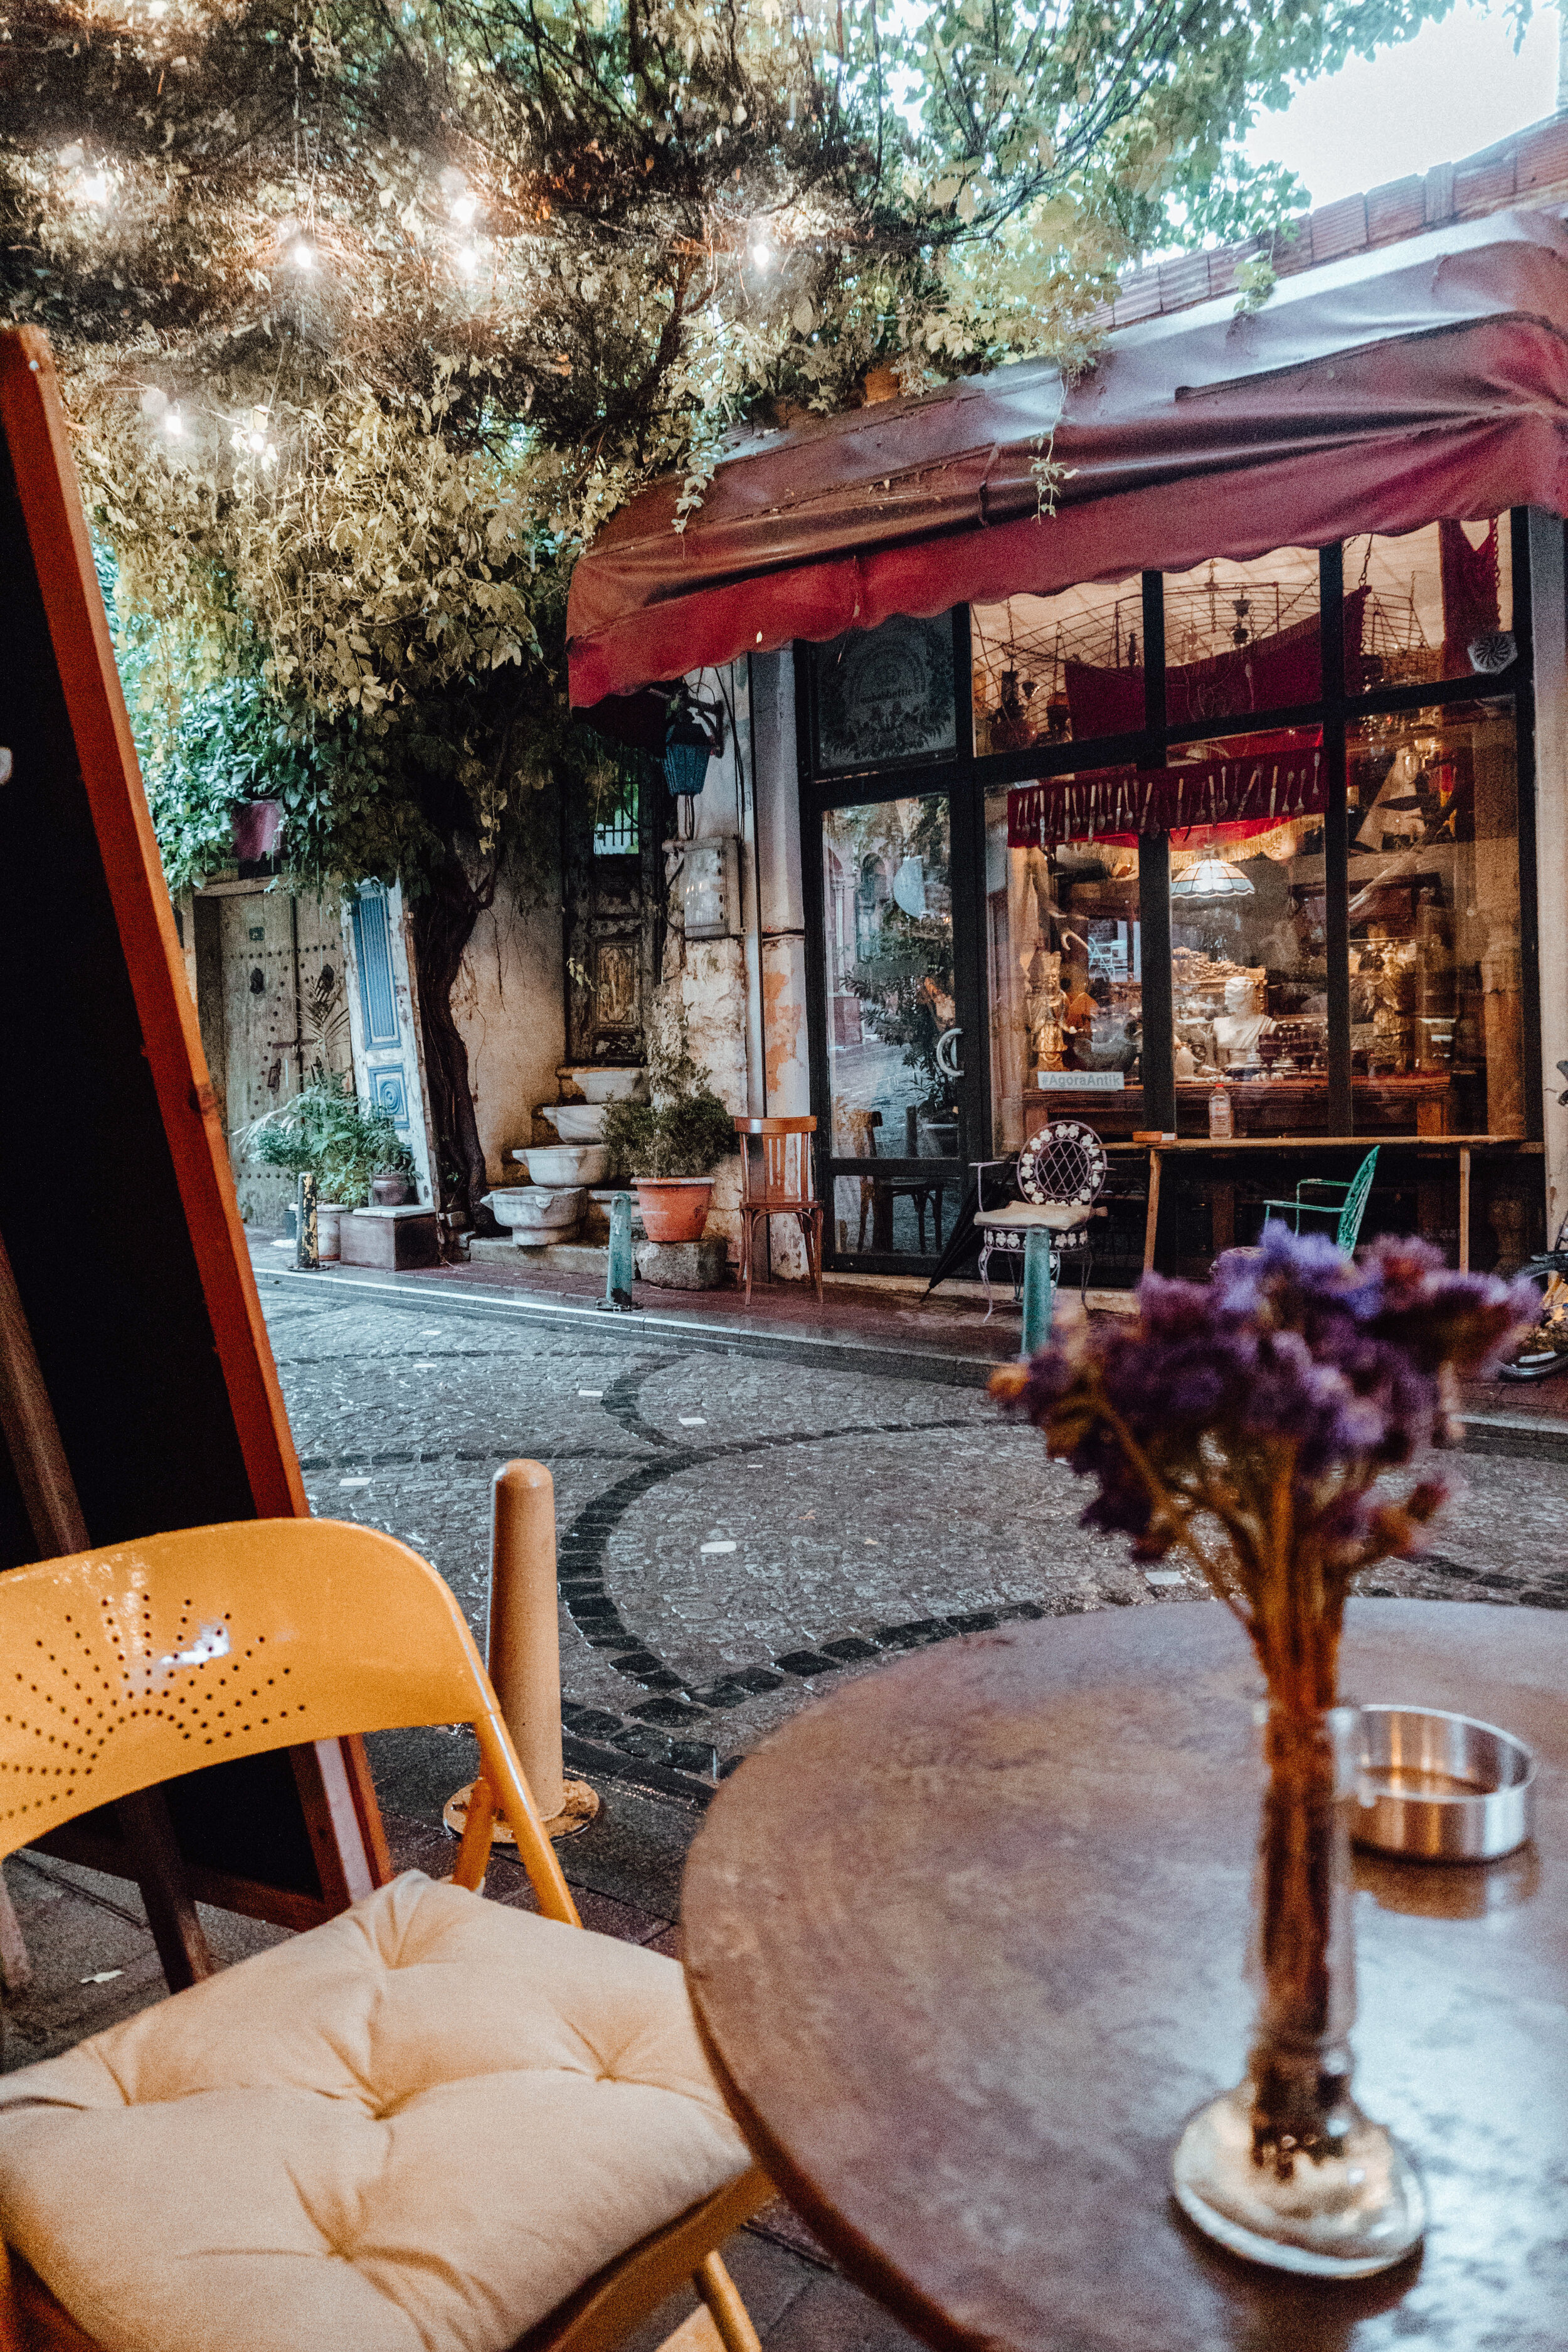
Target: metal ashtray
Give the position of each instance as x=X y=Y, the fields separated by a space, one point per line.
x=1441 y=1788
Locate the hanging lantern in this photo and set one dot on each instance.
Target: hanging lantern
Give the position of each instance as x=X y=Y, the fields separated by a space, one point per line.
x=1209 y=882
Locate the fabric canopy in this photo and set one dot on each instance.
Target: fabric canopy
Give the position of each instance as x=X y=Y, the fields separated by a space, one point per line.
x=1424 y=381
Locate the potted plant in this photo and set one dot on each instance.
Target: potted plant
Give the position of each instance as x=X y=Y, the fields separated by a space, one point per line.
x=669 y=1146
x=326 y=1131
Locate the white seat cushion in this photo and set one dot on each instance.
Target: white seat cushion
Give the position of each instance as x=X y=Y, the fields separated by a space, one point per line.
x=1056 y=1216
x=416 y=2128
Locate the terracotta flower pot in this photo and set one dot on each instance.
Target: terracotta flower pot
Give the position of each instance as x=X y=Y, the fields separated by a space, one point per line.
x=673 y=1208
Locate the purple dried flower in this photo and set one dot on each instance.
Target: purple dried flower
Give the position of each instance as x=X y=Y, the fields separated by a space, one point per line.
x=1268 y=1400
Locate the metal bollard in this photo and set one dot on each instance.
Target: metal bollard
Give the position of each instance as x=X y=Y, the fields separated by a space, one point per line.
x=1037 y=1290
x=618 y=1296
x=524 y=1649
x=305 y=1253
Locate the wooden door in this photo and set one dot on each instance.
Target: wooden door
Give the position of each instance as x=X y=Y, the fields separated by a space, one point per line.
x=284 y=1012
x=615 y=903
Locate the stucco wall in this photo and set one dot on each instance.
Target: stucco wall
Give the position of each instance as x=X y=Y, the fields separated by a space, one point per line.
x=509 y=1006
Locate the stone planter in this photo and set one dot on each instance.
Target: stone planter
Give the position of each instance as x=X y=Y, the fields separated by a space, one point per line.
x=330 y=1215
x=673 y=1208
x=391 y=1190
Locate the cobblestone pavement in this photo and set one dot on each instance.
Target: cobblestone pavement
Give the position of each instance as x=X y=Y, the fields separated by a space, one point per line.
x=739 y=1533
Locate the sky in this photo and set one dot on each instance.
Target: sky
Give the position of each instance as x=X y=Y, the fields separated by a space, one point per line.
x=1455 y=88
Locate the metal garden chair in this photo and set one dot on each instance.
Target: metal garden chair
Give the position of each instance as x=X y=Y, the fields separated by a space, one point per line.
x=432 y=2125
x=1349 y=1209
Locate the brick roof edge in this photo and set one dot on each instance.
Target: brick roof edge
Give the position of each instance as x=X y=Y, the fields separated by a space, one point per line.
x=1529 y=167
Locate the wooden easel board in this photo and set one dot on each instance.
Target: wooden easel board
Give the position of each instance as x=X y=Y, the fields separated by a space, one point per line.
x=117 y=1205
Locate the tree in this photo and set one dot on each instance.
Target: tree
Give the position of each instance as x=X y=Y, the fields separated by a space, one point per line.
x=371 y=310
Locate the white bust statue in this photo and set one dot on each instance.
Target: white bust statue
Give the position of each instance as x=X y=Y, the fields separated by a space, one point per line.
x=1238 y=1029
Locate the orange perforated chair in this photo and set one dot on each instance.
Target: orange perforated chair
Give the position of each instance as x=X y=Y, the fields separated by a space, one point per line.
x=787 y=1189
x=434 y=2124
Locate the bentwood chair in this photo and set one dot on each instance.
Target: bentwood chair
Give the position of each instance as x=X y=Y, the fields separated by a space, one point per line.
x=434 y=2124
x=787 y=1189
x=1347 y=1210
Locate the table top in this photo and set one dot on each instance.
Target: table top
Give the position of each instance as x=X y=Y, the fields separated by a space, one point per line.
x=1335 y=1143
x=965 y=1945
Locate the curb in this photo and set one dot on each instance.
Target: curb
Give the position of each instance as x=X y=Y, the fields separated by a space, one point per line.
x=842 y=1355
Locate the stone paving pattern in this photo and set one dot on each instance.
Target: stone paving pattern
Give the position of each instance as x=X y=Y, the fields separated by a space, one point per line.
x=739 y=1533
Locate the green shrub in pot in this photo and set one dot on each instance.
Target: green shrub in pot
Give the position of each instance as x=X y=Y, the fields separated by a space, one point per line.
x=685 y=1130
x=328 y=1132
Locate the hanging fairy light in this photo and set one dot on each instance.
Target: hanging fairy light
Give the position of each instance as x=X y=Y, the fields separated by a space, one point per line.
x=304 y=255
x=463 y=209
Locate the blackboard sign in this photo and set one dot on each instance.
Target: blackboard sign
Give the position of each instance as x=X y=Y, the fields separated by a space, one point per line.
x=132 y=1285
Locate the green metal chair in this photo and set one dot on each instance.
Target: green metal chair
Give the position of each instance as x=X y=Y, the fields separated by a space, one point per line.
x=1350 y=1209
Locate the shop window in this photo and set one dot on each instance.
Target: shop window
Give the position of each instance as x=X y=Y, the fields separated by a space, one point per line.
x=1241 y=638
x=1065 y=959
x=885 y=697
x=1440 y=604
x=1052 y=670
x=1250 y=976
x=1436 y=1004
x=888 y=918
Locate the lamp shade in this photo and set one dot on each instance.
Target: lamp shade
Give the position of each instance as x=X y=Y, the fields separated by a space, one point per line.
x=1208 y=881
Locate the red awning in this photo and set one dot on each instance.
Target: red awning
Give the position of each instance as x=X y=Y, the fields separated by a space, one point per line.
x=1424 y=381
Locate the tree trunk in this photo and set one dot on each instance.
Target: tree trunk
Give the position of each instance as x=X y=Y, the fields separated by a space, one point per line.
x=442 y=920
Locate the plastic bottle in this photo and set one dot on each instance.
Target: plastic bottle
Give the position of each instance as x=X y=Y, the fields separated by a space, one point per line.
x=1222 y=1122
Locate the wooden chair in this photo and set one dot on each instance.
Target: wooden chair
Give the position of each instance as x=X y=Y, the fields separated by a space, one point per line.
x=434 y=2124
x=788 y=1187
x=1347 y=1211
x=878 y=1193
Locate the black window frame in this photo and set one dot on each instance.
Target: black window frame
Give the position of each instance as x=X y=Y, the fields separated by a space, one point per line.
x=967 y=776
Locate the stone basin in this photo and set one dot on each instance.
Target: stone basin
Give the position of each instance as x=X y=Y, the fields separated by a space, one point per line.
x=533 y=1212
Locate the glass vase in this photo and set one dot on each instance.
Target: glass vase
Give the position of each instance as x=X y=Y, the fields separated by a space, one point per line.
x=1285 y=2168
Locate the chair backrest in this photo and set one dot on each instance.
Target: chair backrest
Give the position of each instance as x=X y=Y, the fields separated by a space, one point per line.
x=1063 y=1162
x=787 y=1159
x=1347 y=1231
x=123 y=1667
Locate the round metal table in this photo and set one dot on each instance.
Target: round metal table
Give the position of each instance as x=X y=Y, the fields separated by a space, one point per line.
x=965 y=1943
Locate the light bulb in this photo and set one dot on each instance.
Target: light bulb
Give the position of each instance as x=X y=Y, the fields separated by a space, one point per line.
x=763 y=254
x=93 y=190
x=304 y=257
x=464 y=208
x=173 y=425
x=468 y=260
x=255 y=441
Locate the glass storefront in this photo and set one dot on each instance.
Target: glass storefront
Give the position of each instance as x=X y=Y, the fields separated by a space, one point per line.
x=887 y=896
x=1255 y=827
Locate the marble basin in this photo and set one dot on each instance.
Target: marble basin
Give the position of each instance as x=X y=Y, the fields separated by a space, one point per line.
x=533 y=1213
x=599 y=1085
x=575 y=1122
x=564 y=1163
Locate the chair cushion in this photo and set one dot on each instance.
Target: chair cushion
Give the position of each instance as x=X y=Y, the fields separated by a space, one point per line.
x=1056 y=1216
x=416 y=2128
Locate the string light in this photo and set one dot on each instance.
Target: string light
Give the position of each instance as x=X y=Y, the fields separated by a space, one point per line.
x=93 y=190
x=763 y=254
x=464 y=208
x=304 y=257
x=174 y=424
x=468 y=260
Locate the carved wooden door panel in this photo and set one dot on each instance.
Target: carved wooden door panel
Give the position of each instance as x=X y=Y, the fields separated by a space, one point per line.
x=284 y=1004
x=613 y=897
